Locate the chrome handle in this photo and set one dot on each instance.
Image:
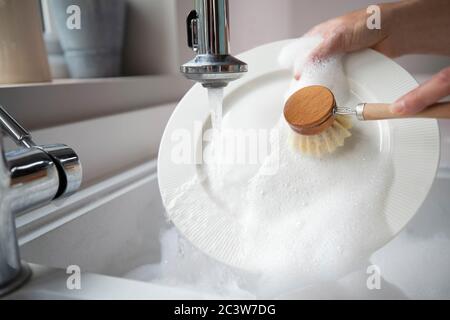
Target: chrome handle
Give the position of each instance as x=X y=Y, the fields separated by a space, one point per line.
x=14 y=129
x=30 y=177
x=33 y=178
x=66 y=160
x=69 y=168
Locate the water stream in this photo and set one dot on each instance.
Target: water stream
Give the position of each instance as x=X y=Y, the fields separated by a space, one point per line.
x=215 y=97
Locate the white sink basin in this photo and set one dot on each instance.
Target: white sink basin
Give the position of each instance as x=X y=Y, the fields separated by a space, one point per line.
x=113 y=227
x=107 y=230
x=50 y=284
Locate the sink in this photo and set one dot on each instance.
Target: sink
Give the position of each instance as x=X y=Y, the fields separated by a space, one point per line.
x=50 y=284
x=112 y=227
x=106 y=230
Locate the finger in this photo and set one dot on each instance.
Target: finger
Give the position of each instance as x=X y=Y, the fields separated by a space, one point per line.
x=327 y=48
x=425 y=95
x=333 y=44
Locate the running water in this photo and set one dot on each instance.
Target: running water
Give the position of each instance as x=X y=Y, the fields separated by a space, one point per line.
x=215 y=97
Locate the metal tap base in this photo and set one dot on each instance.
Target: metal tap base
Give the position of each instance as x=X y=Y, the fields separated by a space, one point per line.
x=22 y=277
x=214 y=70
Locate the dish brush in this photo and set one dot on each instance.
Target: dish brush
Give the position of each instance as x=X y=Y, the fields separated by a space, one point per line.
x=320 y=127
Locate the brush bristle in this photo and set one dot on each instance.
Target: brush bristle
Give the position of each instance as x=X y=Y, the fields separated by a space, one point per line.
x=325 y=142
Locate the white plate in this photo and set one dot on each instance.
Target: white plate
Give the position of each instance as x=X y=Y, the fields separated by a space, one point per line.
x=256 y=101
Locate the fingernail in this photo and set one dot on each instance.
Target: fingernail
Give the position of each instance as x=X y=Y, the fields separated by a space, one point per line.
x=398 y=107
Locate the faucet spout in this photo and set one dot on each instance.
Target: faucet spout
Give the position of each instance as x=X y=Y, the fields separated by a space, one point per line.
x=209 y=36
x=30 y=176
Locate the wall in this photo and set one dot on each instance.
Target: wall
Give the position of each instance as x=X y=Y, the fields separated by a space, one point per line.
x=151 y=41
x=254 y=22
x=156 y=37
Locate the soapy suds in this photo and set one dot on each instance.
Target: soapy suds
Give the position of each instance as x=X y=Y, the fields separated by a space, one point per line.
x=414 y=265
x=328 y=73
x=182 y=265
x=314 y=220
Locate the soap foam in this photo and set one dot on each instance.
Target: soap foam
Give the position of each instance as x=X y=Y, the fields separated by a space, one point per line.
x=328 y=73
x=319 y=218
x=314 y=220
x=182 y=265
x=296 y=53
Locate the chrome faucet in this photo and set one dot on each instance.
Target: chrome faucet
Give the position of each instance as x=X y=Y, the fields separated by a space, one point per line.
x=209 y=36
x=30 y=176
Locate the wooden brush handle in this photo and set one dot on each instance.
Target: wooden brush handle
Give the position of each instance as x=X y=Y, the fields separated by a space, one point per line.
x=380 y=111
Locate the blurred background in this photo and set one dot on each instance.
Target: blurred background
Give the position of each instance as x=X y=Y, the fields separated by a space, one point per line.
x=122 y=66
x=256 y=22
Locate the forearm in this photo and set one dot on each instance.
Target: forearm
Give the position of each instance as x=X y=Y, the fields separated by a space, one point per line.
x=420 y=26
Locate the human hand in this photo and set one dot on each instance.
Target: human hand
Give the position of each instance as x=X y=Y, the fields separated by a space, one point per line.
x=425 y=95
x=409 y=26
x=350 y=33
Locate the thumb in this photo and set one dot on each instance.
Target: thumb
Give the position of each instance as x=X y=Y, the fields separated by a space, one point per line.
x=425 y=95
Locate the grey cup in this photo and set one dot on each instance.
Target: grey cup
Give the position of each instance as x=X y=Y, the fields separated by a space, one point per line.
x=95 y=49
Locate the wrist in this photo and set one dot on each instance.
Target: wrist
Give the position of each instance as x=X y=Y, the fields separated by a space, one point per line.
x=394 y=18
x=419 y=26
